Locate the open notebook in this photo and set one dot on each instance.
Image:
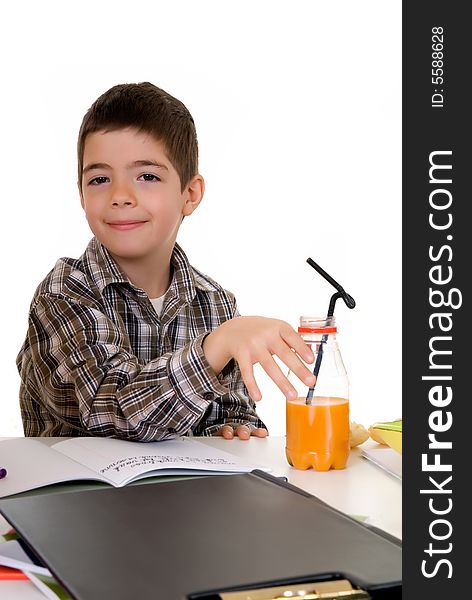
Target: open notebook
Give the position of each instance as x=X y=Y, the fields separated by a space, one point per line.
x=31 y=464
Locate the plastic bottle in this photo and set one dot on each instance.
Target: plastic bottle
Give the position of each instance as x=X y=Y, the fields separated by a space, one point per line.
x=318 y=420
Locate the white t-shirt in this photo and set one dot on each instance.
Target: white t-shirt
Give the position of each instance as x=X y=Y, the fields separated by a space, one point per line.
x=157 y=303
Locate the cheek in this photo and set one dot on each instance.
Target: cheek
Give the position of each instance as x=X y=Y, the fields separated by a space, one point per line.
x=92 y=214
x=166 y=212
x=90 y=207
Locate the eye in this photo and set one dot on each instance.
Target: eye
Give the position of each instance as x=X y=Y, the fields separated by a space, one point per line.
x=148 y=177
x=98 y=180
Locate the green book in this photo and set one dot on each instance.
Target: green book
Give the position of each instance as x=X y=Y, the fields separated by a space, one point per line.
x=389 y=425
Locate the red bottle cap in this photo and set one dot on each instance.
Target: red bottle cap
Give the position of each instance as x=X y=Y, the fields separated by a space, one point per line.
x=317 y=330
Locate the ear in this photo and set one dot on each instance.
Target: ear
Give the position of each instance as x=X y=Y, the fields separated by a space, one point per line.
x=81 y=195
x=193 y=195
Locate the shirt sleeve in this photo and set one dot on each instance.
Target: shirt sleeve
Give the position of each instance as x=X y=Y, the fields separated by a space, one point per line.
x=88 y=374
x=234 y=407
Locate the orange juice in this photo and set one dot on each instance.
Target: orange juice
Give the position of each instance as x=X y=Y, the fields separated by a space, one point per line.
x=318 y=434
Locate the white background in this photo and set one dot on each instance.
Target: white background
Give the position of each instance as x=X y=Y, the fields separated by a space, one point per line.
x=298 y=112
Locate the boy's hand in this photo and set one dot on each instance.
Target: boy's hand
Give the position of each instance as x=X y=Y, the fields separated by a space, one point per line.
x=251 y=340
x=243 y=432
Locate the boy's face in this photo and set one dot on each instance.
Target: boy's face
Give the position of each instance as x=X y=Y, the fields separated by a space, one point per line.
x=132 y=195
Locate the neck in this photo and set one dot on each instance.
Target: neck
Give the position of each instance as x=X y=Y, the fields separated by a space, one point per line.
x=153 y=275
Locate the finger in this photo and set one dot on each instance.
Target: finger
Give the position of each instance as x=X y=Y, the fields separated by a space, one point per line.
x=247 y=374
x=260 y=432
x=274 y=372
x=243 y=432
x=294 y=340
x=295 y=365
x=227 y=432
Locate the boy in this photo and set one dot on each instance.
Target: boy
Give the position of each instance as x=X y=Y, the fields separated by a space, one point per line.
x=129 y=340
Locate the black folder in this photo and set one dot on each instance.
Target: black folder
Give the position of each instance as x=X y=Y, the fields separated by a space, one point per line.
x=196 y=538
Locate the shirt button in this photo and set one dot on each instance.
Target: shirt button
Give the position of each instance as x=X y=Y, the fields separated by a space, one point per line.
x=208 y=396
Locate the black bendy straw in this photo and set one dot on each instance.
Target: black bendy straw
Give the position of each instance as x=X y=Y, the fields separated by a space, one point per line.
x=348 y=301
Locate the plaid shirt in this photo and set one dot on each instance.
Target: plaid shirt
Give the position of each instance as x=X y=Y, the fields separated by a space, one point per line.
x=98 y=360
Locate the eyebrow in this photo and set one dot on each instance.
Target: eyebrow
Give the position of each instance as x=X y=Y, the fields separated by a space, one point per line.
x=136 y=163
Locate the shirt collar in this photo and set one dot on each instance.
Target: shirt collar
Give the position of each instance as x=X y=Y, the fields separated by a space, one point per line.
x=101 y=267
x=105 y=271
x=183 y=279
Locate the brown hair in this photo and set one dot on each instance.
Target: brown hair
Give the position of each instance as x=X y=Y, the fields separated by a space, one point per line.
x=148 y=109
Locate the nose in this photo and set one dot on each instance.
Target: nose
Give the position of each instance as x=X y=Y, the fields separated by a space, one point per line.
x=122 y=194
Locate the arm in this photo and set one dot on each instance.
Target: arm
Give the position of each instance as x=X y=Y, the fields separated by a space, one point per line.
x=233 y=410
x=251 y=340
x=86 y=372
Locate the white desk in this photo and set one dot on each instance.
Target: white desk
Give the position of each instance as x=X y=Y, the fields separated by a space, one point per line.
x=360 y=489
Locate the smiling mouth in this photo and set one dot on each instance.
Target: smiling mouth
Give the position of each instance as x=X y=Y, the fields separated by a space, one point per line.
x=125 y=225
